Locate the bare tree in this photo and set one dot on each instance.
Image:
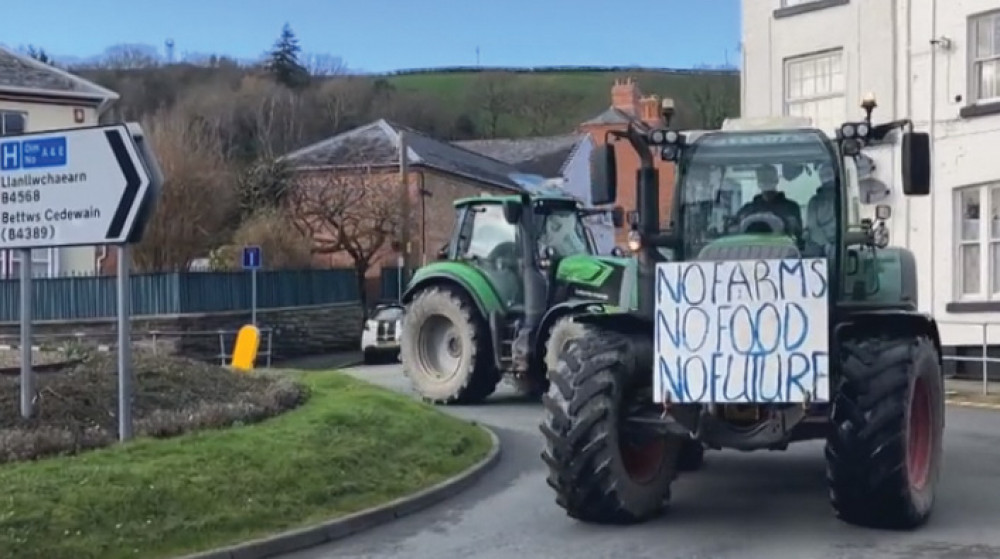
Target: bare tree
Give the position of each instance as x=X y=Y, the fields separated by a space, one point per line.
x=195 y=210
x=323 y=65
x=274 y=231
x=357 y=212
x=494 y=96
x=543 y=105
x=129 y=57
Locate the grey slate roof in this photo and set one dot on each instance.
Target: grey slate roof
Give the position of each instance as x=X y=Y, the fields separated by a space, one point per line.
x=22 y=74
x=611 y=116
x=376 y=143
x=546 y=155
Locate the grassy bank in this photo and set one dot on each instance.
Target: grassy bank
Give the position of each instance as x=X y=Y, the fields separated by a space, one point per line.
x=351 y=446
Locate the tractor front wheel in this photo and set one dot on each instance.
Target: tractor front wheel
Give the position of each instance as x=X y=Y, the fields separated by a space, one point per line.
x=536 y=382
x=884 y=452
x=445 y=349
x=600 y=471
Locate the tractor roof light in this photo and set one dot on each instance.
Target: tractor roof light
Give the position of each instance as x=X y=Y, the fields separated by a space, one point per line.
x=868 y=104
x=634 y=240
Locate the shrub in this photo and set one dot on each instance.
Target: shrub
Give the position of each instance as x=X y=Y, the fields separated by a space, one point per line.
x=77 y=408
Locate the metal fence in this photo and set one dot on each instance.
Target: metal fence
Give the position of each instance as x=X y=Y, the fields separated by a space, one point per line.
x=89 y=297
x=983 y=331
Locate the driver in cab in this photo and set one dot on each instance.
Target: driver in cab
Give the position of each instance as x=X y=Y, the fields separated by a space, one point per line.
x=771 y=201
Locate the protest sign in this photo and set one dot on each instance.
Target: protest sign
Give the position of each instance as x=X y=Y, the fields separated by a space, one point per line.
x=748 y=331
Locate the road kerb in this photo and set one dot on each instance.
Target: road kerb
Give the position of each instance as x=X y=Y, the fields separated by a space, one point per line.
x=971 y=404
x=326 y=532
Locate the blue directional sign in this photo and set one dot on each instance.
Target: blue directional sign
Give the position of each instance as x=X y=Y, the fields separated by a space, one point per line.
x=33 y=154
x=251 y=258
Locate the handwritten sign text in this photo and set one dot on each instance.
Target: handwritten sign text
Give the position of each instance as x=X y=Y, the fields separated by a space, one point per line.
x=749 y=331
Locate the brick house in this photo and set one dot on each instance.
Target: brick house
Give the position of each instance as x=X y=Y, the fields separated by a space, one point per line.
x=629 y=104
x=439 y=173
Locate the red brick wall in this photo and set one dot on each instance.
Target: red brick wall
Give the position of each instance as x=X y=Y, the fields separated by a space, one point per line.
x=626 y=96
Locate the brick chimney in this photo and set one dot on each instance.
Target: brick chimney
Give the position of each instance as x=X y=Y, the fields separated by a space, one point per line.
x=649 y=110
x=625 y=96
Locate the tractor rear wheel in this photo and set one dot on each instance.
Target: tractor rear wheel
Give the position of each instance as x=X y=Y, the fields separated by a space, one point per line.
x=445 y=349
x=600 y=471
x=884 y=452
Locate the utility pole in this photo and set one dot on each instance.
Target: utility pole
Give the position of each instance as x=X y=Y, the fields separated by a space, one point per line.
x=404 y=180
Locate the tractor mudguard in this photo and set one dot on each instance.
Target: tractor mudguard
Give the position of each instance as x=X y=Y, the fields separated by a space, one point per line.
x=573 y=306
x=897 y=321
x=458 y=274
x=617 y=320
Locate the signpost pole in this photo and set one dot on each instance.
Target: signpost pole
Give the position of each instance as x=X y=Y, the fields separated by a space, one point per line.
x=27 y=374
x=253 y=296
x=124 y=344
x=252 y=260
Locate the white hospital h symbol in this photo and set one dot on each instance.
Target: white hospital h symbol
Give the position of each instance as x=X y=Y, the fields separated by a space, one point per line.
x=10 y=156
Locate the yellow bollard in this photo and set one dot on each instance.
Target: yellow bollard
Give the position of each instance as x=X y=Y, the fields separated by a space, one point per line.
x=245 y=349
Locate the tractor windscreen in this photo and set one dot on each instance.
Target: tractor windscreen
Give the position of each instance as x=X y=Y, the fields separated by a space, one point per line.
x=759 y=183
x=563 y=229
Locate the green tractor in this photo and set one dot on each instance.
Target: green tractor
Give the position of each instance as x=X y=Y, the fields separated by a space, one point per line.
x=764 y=315
x=496 y=302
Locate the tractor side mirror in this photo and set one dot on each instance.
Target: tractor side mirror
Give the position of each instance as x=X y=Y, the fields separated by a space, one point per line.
x=618 y=217
x=916 y=163
x=512 y=211
x=603 y=175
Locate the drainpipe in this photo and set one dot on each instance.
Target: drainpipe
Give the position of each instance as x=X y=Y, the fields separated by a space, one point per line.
x=932 y=127
x=908 y=100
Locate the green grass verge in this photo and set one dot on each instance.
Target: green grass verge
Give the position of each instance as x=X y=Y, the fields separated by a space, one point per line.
x=351 y=446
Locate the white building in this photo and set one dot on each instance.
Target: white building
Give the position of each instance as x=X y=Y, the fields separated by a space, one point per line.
x=936 y=62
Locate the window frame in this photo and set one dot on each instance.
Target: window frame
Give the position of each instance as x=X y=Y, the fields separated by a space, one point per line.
x=973 y=61
x=789 y=62
x=987 y=239
x=5 y=113
x=40 y=257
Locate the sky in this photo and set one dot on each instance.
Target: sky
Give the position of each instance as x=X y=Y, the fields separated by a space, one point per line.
x=386 y=35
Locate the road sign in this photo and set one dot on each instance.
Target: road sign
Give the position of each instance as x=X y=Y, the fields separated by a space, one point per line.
x=251 y=258
x=83 y=186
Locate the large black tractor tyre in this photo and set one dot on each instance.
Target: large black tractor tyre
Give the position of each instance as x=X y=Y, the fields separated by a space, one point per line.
x=883 y=454
x=536 y=383
x=445 y=349
x=601 y=472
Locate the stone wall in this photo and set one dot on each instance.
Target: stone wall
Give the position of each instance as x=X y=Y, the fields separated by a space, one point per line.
x=295 y=331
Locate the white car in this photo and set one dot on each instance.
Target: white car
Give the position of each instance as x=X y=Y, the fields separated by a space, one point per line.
x=380 y=337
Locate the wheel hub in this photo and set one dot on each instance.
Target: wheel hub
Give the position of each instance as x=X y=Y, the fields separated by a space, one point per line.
x=440 y=347
x=920 y=438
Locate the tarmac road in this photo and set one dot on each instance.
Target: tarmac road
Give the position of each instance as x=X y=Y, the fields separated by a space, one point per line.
x=765 y=505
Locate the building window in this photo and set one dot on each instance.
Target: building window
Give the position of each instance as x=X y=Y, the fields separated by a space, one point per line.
x=978 y=236
x=814 y=88
x=42 y=263
x=984 y=31
x=12 y=123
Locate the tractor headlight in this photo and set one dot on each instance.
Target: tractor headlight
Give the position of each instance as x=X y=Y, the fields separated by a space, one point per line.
x=658 y=136
x=863 y=130
x=848 y=131
x=634 y=241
